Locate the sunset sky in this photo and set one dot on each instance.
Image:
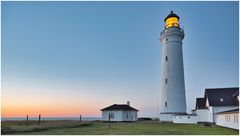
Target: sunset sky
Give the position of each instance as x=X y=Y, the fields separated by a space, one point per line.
x=72 y=58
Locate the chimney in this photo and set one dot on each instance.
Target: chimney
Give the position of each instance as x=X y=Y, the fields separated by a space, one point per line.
x=128 y=103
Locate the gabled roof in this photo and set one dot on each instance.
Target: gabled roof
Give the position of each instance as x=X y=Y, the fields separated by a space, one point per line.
x=124 y=107
x=221 y=96
x=200 y=103
x=229 y=111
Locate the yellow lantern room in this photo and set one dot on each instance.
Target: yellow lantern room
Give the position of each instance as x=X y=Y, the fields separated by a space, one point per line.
x=172 y=20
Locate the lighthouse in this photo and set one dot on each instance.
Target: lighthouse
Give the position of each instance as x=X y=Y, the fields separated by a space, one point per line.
x=172 y=90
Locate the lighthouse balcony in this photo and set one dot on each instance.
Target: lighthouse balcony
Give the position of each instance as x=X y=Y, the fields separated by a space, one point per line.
x=172 y=29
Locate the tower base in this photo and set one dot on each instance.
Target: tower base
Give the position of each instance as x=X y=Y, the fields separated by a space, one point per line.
x=168 y=116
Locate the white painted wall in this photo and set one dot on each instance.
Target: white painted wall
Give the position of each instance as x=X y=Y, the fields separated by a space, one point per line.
x=207 y=102
x=185 y=119
x=120 y=115
x=221 y=121
x=216 y=109
x=165 y=118
x=129 y=116
x=117 y=115
x=204 y=115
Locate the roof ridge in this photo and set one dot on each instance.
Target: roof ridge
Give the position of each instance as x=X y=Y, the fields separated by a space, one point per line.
x=222 y=88
x=119 y=107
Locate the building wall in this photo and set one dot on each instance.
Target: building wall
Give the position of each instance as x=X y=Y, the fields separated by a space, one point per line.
x=117 y=115
x=230 y=121
x=120 y=115
x=185 y=119
x=166 y=117
x=216 y=109
x=204 y=115
x=129 y=116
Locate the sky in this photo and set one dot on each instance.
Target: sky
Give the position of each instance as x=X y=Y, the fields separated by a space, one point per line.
x=75 y=58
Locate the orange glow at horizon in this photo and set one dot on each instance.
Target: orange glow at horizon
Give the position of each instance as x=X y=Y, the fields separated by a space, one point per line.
x=47 y=111
x=48 y=104
x=20 y=100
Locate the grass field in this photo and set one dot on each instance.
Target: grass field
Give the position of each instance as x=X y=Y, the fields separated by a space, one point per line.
x=94 y=128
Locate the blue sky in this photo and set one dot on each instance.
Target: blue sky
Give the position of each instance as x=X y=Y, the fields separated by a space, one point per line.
x=100 y=53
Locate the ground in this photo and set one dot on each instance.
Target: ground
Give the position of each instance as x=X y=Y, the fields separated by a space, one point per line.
x=94 y=128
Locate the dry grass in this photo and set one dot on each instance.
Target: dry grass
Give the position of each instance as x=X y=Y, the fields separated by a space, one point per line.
x=12 y=127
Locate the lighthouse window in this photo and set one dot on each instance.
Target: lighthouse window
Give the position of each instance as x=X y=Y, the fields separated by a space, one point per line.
x=166 y=58
x=165 y=104
x=166 y=80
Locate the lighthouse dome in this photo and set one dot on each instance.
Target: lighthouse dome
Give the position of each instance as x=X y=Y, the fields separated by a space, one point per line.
x=172 y=20
x=171 y=15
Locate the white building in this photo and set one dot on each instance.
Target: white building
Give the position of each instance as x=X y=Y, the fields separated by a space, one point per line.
x=119 y=112
x=215 y=101
x=220 y=99
x=228 y=119
x=172 y=91
x=204 y=115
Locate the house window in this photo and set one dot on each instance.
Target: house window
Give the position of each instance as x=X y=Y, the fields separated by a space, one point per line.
x=111 y=115
x=166 y=58
x=165 y=104
x=166 y=81
x=188 y=117
x=127 y=115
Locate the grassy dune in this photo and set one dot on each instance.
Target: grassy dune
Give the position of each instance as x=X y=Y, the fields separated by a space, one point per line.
x=93 y=128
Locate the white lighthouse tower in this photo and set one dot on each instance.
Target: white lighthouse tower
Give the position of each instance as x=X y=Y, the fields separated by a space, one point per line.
x=172 y=93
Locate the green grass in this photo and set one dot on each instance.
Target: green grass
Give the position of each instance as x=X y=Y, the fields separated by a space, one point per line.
x=99 y=128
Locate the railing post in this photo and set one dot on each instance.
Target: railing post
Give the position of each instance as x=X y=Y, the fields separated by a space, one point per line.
x=39 y=118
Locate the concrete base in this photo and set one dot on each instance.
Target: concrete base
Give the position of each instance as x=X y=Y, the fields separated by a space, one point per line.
x=168 y=116
x=165 y=117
